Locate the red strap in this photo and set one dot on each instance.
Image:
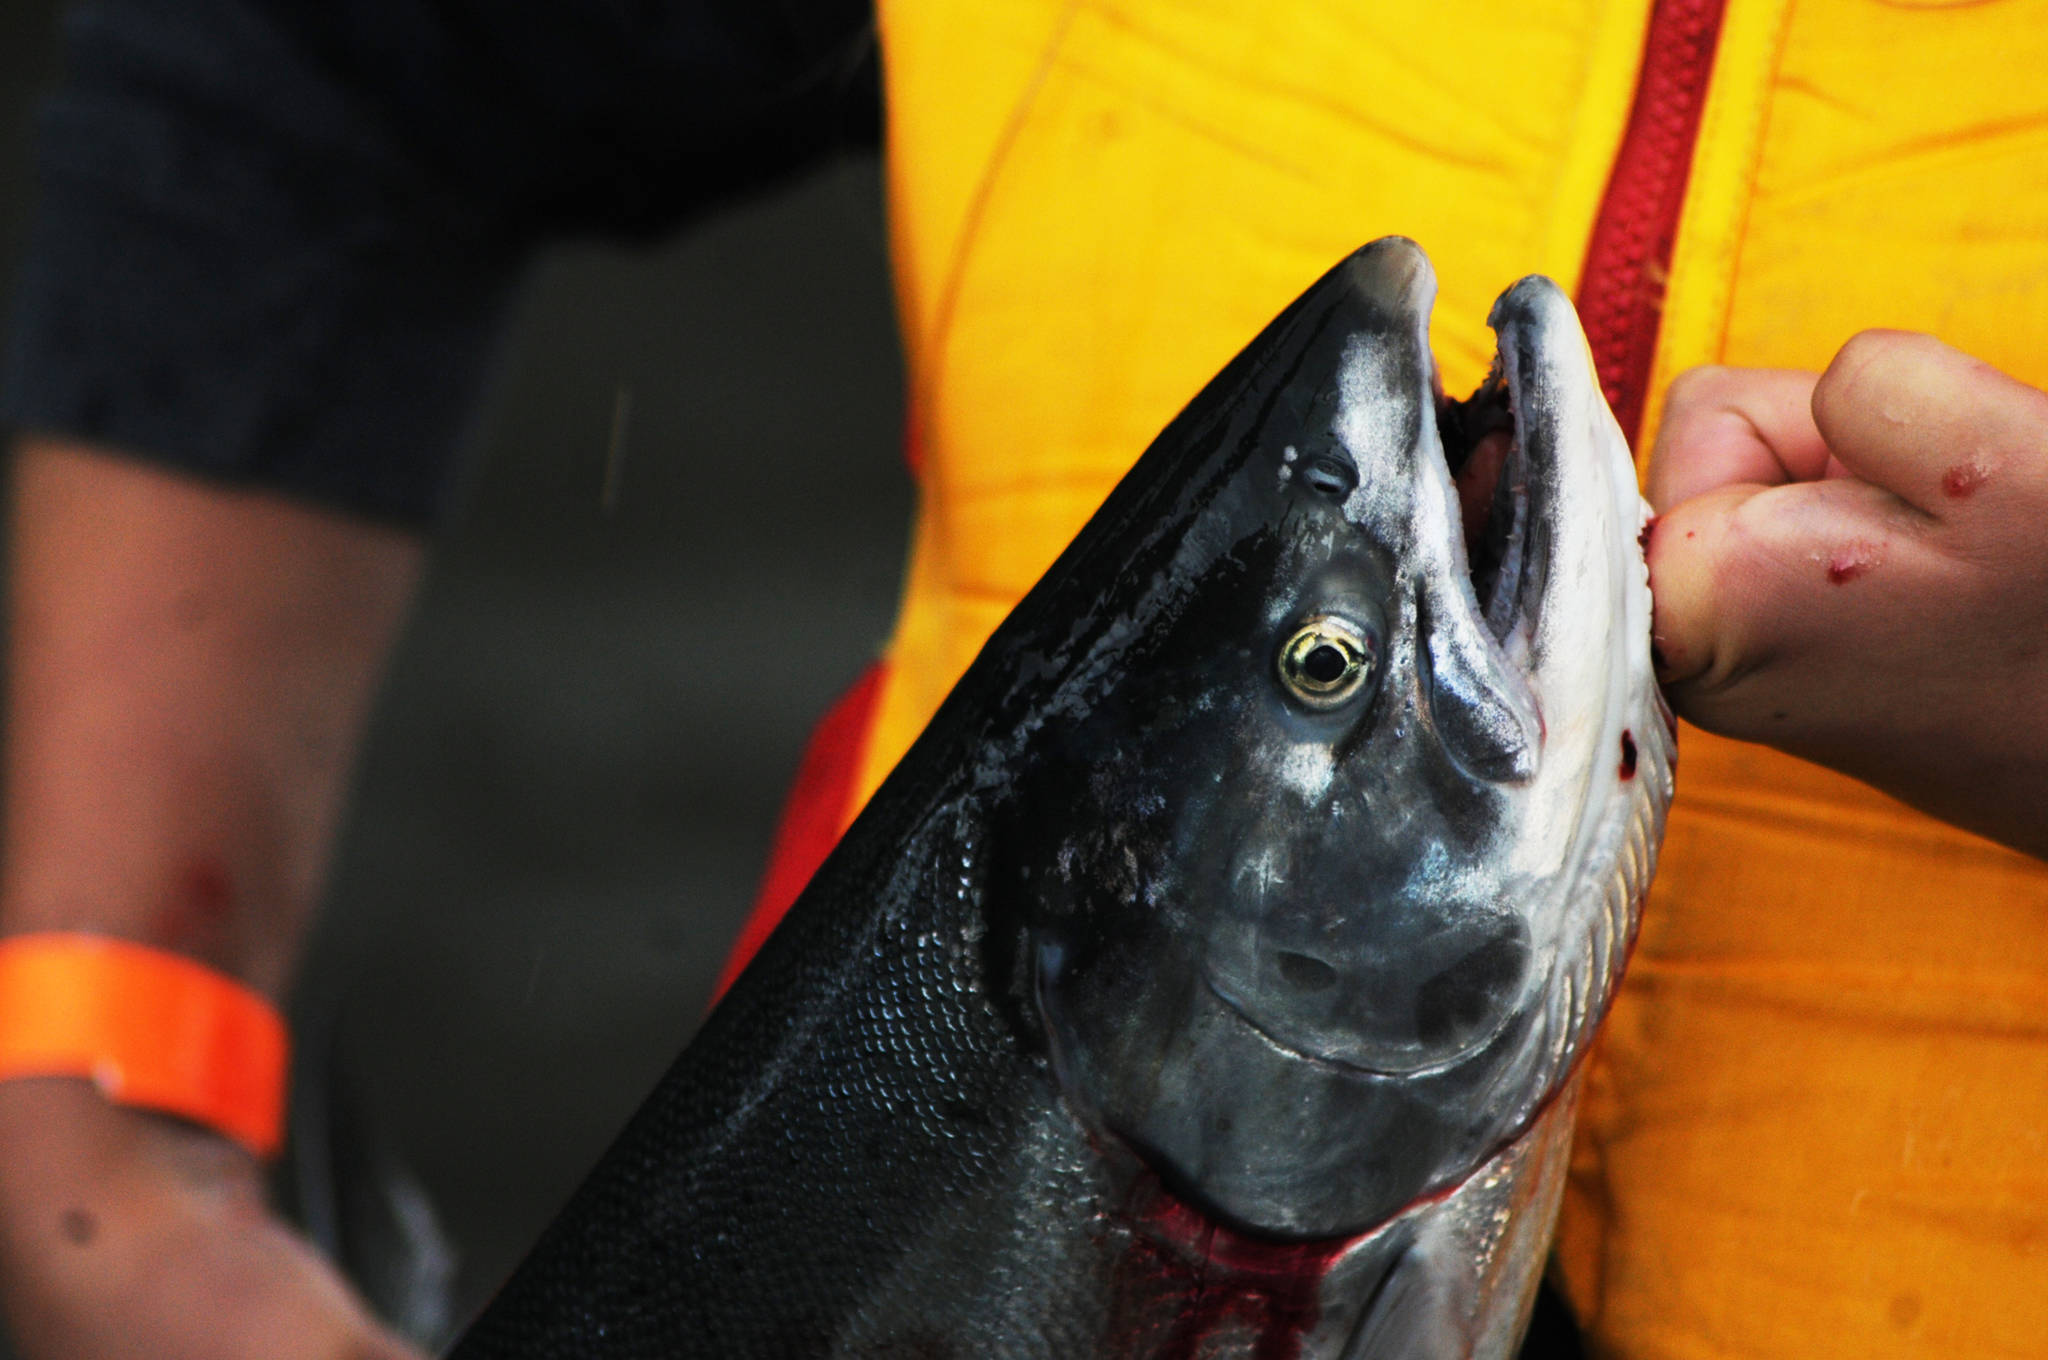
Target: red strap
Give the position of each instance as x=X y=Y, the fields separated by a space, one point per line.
x=147 y=1028
x=1628 y=257
x=812 y=817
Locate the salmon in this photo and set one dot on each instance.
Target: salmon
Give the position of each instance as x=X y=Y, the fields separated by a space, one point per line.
x=1210 y=978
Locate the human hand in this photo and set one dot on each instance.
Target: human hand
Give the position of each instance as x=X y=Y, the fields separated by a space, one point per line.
x=125 y=1234
x=1853 y=568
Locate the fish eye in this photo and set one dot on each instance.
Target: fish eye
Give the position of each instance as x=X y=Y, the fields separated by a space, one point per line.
x=1326 y=661
x=1332 y=477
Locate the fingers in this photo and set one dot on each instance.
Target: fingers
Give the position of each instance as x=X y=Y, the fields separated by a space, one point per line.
x=1727 y=435
x=1930 y=424
x=1866 y=587
x=1747 y=576
x=1728 y=426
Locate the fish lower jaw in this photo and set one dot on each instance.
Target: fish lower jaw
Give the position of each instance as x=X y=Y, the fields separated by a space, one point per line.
x=1377 y=1067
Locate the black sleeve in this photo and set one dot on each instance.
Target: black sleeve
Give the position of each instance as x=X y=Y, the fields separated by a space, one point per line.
x=275 y=238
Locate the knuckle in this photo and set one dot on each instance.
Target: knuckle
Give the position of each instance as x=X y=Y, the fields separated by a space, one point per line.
x=1868 y=357
x=1700 y=386
x=1870 y=343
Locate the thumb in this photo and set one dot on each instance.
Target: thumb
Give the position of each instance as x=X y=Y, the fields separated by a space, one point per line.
x=1687 y=548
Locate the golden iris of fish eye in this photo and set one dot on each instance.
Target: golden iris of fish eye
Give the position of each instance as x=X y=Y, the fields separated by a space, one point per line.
x=1325 y=661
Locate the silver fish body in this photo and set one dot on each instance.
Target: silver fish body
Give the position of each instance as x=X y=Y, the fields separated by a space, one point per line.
x=1210 y=979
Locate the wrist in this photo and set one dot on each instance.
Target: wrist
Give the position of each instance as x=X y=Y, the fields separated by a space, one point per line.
x=126 y=1235
x=146 y=1028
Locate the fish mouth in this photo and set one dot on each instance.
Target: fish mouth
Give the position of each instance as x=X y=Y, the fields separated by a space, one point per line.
x=1489 y=466
x=1512 y=470
x=1523 y=514
x=1424 y=1064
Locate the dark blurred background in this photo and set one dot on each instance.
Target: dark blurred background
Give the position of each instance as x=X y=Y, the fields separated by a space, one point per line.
x=573 y=776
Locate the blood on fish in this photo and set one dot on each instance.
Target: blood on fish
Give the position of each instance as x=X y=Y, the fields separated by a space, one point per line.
x=1186 y=1279
x=1962 y=479
x=1628 y=755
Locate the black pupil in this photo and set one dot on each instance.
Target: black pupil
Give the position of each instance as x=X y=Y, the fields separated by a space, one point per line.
x=1324 y=664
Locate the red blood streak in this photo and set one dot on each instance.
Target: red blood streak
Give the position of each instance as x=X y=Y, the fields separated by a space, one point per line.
x=1961 y=480
x=1621 y=289
x=1628 y=755
x=1186 y=1280
x=194 y=921
x=1842 y=570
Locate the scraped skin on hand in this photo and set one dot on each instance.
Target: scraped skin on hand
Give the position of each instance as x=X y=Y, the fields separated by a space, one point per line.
x=1851 y=567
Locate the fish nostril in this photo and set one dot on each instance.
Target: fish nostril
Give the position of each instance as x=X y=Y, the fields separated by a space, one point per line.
x=1304 y=973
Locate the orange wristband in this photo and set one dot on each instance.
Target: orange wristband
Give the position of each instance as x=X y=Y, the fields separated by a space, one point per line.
x=148 y=1028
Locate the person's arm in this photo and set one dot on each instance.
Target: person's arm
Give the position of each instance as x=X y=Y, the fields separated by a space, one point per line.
x=1851 y=567
x=273 y=246
x=189 y=669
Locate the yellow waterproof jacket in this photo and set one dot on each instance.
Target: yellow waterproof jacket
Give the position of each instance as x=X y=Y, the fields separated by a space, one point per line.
x=1817 y=1124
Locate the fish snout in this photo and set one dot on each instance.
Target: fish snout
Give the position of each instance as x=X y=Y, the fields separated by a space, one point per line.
x=1414 y=1000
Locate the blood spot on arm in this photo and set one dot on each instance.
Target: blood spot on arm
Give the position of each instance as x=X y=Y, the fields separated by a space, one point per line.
x=195 y=919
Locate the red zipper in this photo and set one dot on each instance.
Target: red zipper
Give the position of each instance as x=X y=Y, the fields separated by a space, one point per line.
x=1628 y=256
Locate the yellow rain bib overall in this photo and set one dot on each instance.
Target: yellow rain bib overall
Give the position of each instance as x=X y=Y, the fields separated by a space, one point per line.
x=1817 y=1123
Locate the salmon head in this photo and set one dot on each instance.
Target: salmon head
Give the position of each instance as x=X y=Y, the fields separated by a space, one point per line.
x=1328 y=817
